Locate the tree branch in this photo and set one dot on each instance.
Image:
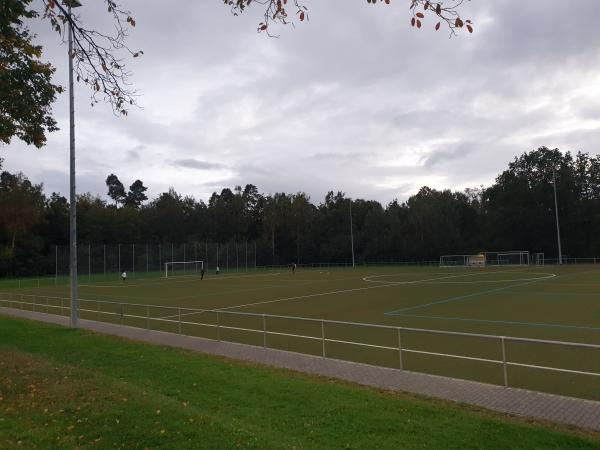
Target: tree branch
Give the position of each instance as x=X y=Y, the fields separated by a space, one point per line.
x=96 y=55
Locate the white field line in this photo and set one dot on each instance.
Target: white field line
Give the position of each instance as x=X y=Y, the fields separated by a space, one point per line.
x=301 y=297
x=188 y=280
x=268 y=286
x=544 y=275
x=343 y=291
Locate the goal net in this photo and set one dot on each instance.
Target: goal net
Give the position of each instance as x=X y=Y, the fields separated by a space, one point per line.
x=178 y=268
x=512 y=258
x=462 y=260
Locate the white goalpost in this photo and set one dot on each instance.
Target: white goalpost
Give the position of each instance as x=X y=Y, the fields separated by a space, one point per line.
x=512 y=258
x=178 y=268
x=509 y=258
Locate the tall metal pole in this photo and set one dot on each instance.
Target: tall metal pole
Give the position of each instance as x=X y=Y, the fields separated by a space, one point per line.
x=351 y=234
x=556 y=214
x=72 y=191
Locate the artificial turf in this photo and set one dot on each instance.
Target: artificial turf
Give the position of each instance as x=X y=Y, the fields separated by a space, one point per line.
x=550 y=303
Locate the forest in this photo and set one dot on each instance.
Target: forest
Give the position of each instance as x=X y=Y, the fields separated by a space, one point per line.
x=516 y=212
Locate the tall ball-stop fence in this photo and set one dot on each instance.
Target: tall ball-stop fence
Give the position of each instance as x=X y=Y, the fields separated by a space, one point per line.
x=148 y=260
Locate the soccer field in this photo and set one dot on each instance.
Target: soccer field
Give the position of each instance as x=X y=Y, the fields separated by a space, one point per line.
x=544 y=303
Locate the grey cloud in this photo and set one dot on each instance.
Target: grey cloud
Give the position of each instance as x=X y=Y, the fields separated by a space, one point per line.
x=354 y=100
x=197 y=164
x=330 y=156
x=448 y=154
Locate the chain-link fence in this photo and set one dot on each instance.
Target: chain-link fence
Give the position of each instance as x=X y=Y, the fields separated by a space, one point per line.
x=149 y=259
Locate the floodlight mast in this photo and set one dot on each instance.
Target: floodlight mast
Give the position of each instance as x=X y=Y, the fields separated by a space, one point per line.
x=72 y=191
x=556 y=215
x=351 y=235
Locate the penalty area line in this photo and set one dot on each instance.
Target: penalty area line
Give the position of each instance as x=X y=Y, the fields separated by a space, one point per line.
x=462 y=297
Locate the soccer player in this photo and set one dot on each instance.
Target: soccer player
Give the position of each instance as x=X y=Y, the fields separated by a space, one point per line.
x=124 y=276
x=294 y=268
x=202 y=273
x=217 y=272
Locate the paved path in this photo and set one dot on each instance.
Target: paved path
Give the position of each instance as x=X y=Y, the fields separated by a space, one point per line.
x=555 y=408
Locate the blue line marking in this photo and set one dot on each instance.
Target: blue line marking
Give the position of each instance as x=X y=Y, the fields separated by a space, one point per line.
x=461 y=297
x=505 y=322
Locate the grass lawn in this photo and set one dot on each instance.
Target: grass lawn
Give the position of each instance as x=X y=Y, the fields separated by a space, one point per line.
x=61 y=388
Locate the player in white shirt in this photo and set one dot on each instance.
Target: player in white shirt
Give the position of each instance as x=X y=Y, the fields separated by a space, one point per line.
x=124 y=276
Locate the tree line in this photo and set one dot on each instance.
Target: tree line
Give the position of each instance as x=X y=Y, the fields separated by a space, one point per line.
x=516 y=212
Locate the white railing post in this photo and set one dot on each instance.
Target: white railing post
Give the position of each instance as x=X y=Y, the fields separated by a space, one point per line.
x=46 y=304
x=122 y=312
x=62 y=311
x=179 y=319
x=218 y=327
x=400 y=349
x=147 y=316
x=264 y=331
x=323 y=336
x=502 y=339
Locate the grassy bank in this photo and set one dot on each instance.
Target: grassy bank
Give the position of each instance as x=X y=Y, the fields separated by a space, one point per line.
x=61 y=388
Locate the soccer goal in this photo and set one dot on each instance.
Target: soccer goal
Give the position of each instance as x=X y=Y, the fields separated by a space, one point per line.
x=512 y=258
x=462 y=260
x=178 y=268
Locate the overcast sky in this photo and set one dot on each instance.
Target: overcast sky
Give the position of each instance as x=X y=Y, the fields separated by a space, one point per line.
x=353 y=100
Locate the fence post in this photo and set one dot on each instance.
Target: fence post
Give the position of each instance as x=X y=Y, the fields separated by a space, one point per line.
x=218 y=327
x=179 y=318
x=147 y=317
x=121 y=313
x=264 y=331
x=400 y=348
x=502 y=339
x=46 y=304
x=323 y=336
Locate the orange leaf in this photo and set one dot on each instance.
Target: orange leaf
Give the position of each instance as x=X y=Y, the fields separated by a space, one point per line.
x=420 y=15
x=437 y=26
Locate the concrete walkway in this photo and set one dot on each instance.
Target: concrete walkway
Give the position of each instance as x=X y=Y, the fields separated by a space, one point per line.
x=572 y=411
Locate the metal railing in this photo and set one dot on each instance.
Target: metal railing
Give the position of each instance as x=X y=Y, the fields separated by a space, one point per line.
x=221 y=321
